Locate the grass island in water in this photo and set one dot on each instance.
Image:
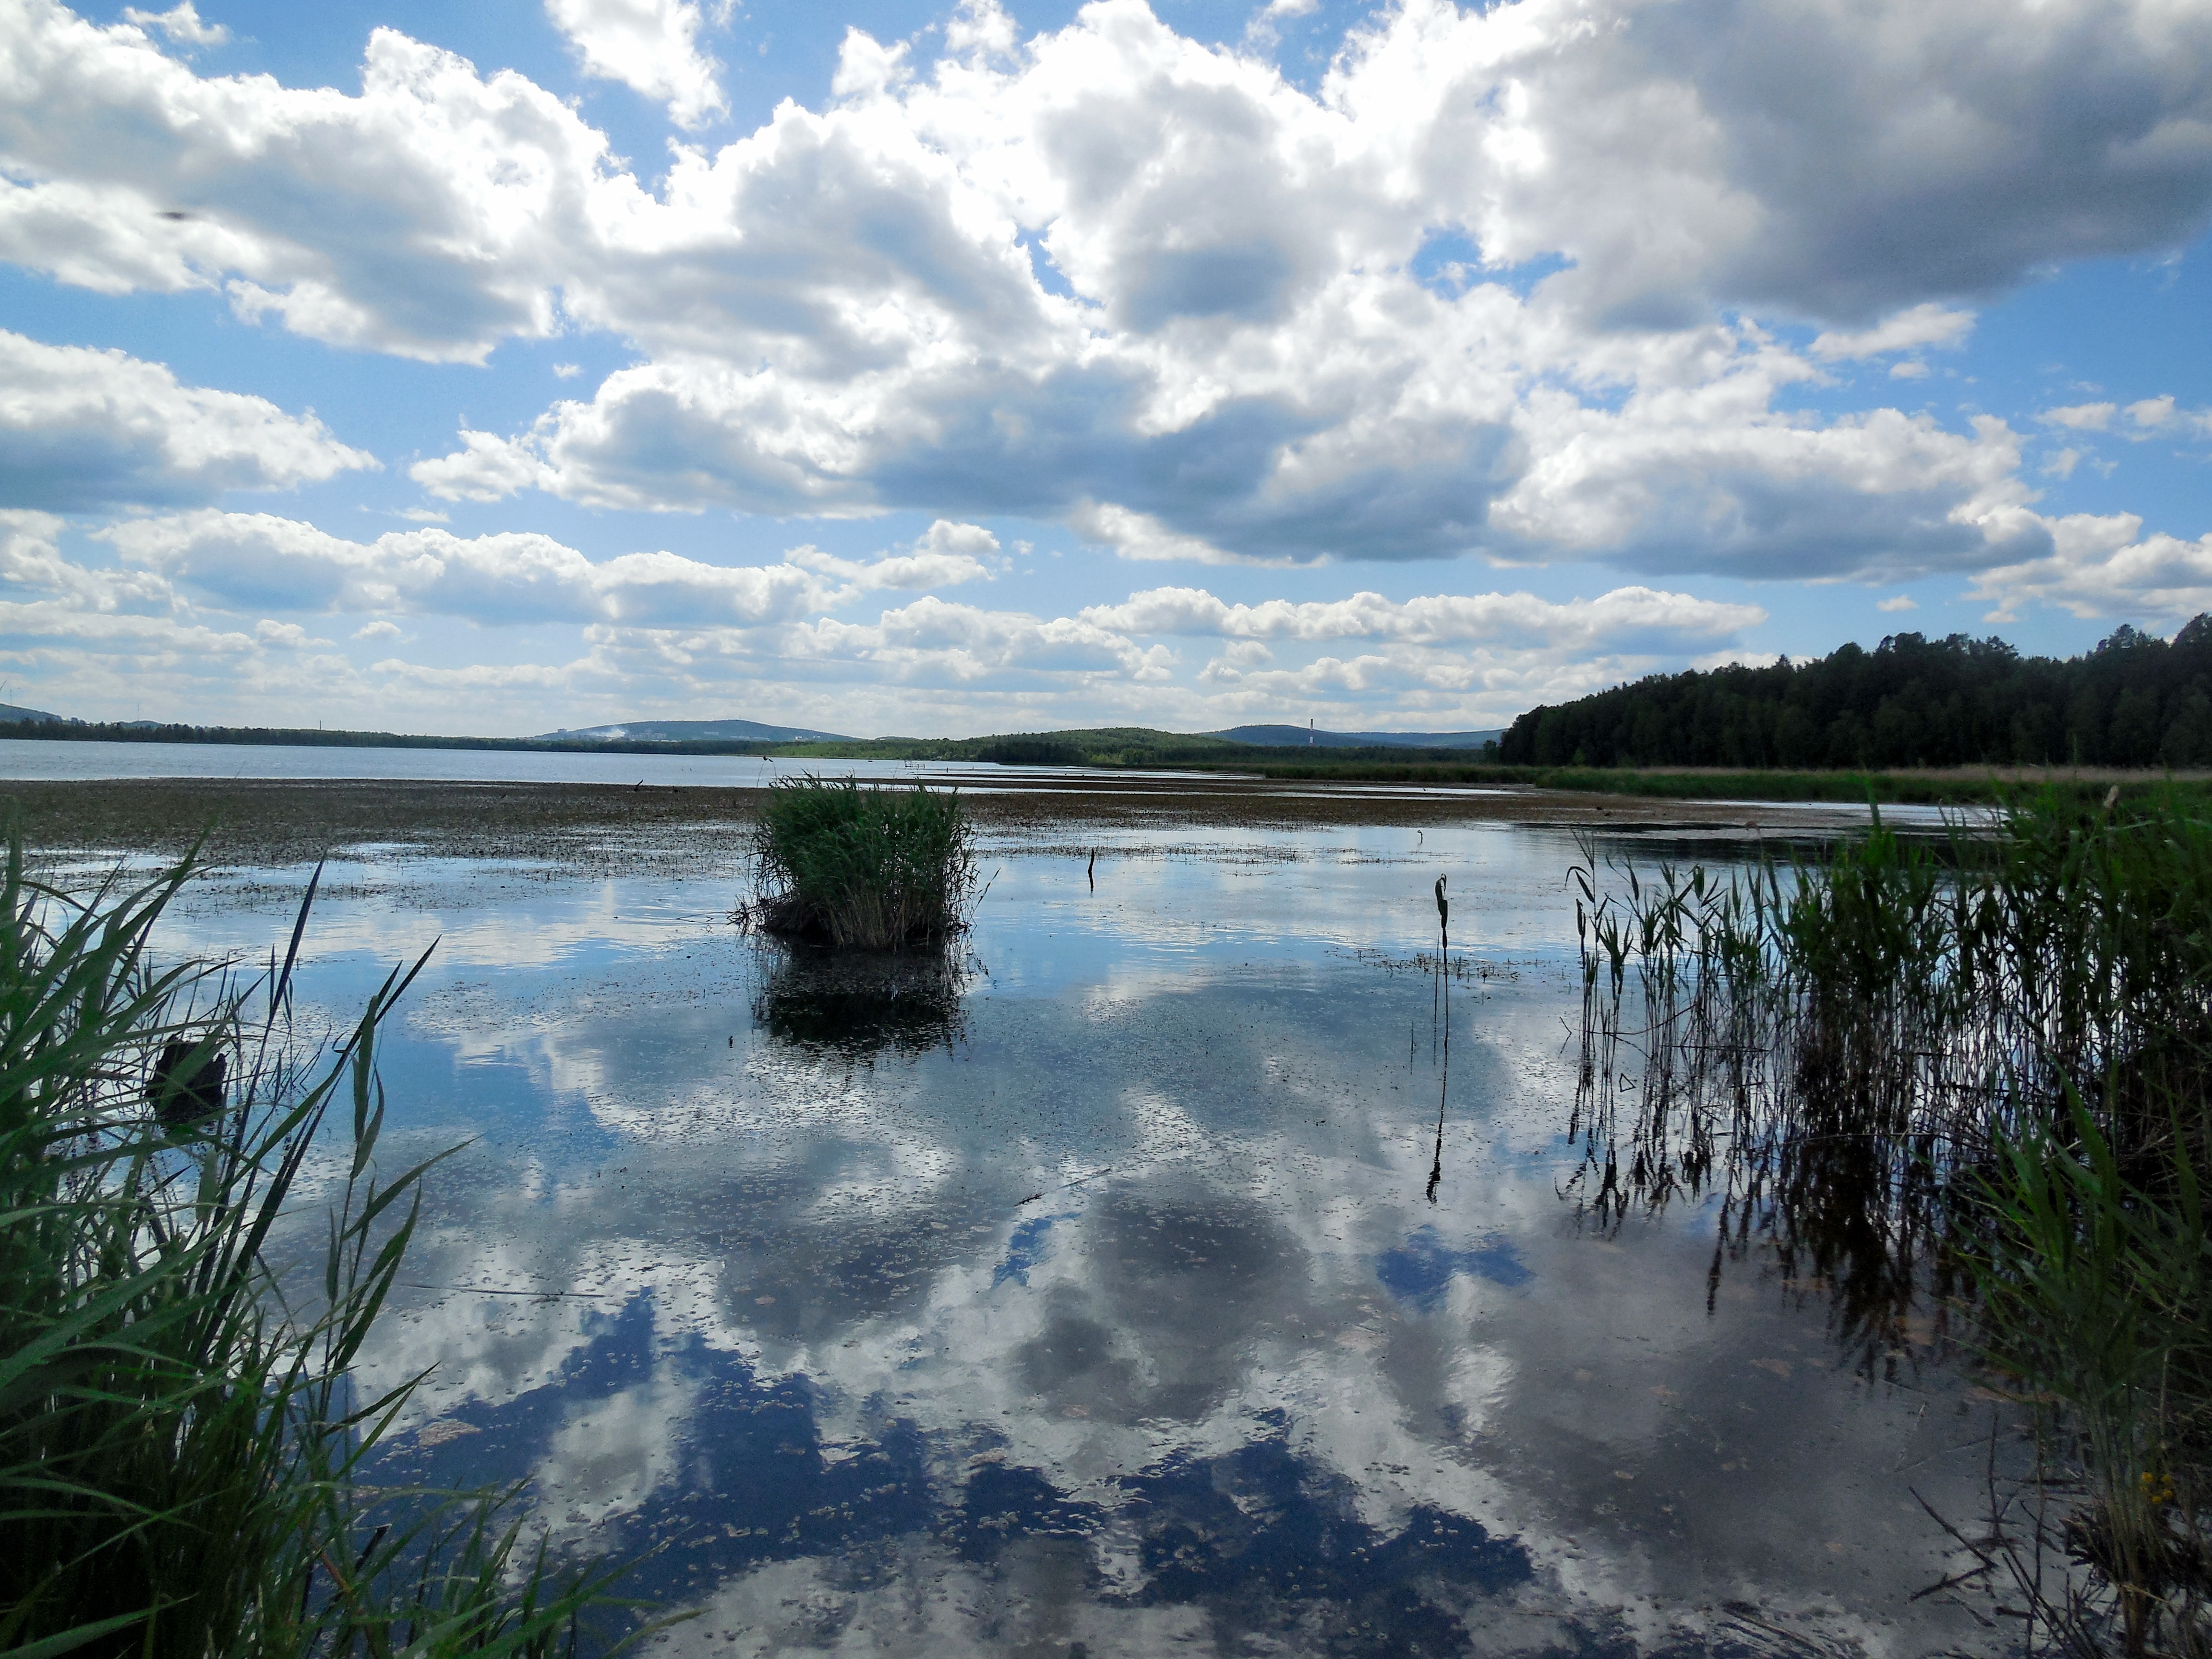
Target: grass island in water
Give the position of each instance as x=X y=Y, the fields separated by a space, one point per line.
x=871 y=869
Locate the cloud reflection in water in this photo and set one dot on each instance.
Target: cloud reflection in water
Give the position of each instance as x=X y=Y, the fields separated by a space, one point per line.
x=1247 y=1383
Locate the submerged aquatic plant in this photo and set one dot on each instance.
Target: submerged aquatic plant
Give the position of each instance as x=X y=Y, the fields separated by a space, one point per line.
x=180 y=1437
x=1973 y=1072
x=871 y=869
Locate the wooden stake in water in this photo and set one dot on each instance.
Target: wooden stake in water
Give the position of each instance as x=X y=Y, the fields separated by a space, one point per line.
x=1442 y=1000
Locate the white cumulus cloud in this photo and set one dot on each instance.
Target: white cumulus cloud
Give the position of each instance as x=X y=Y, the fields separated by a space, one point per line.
x=2160 y=415
x=1924 y=324
x=652 y=46
x=2081 y=417
x=259 y=561
x=431 y=214
x=946 y=555
x=1628 y=618
x=181 y=23
x=2102 y=565
x=82 y=428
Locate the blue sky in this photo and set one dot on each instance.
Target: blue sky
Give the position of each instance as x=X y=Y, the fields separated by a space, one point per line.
x=896 y=368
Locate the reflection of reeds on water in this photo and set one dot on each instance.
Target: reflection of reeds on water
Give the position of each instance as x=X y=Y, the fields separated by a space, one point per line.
x=859 y=1006
x=1972 y=1073
x=1703 y=1071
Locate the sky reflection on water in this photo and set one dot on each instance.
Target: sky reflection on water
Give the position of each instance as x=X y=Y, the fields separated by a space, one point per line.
x=1087 y=1299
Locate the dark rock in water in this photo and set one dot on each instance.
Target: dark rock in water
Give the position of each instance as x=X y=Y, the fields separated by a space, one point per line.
x=184 y=1092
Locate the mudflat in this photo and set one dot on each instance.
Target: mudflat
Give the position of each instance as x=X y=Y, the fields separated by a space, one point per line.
x=263 y=822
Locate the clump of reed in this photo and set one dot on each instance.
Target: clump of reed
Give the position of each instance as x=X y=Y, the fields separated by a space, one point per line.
x=2093 y=1297
x=1967 y=1072
x=181 y=1441
x=867 y=869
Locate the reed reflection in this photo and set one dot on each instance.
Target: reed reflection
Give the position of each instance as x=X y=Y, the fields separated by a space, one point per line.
x=858 y=1007
x=1818 y=1122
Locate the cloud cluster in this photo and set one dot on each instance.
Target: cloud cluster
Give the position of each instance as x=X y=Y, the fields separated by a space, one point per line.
x=249 y=561
x=943 y=642
x=2102 y=564
x=82 y=429
x=2147 y=417
x=423 y=216
x=112 y=635
x=181 y=23
x=1150 y=287
x=257 y=561
x=946 y=555
x=226 y=608
x=1626 y=619
x=1914 y=328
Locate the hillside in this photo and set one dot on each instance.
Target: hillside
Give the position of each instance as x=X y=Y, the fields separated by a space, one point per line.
x=1112 y=746
x=2134 y=701
x=689 y=732
x=1120 y=745
x=1297 y=736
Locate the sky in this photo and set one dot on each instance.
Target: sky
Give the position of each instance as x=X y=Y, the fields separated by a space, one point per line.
x=892 y=368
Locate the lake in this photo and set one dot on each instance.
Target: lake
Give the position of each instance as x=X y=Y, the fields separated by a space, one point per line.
x=1191 y=1268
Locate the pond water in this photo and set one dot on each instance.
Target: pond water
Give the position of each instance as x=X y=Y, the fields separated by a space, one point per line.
x=1116 y=1291
x=54 y=759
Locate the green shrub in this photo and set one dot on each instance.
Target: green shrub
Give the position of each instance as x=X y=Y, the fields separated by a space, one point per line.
x=870 y=869
x=179 y=1435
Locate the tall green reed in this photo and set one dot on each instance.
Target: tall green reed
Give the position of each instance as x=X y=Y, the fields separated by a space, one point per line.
x=181 y=1442
x=870 y=869
x=2093 y=1305
x=1969 y=1070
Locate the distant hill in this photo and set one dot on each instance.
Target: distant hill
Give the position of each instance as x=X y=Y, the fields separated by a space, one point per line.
x=1135 y=745
x=690 y=731
x=2136 y=700
x=1278 y=736
x=9 y=714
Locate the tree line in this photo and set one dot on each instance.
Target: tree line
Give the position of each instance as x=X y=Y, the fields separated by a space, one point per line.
x=2136 y=700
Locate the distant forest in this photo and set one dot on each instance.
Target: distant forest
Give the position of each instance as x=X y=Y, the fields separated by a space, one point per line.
x=2134 y=701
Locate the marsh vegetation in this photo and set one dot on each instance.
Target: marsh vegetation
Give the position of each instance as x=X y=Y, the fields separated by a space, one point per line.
x=182 y=1446
x=867 y=869
x=1944 y=1078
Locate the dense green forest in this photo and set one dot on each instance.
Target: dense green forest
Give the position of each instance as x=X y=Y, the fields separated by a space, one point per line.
x=2134 y=701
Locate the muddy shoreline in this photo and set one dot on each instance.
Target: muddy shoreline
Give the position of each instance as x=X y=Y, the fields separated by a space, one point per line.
x=604 y=827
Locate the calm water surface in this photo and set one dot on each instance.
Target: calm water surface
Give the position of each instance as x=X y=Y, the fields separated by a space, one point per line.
x=1117 y=1294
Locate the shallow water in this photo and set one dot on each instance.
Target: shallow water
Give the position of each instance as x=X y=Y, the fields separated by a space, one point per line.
x=1116 y=1294
x=54 y=759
